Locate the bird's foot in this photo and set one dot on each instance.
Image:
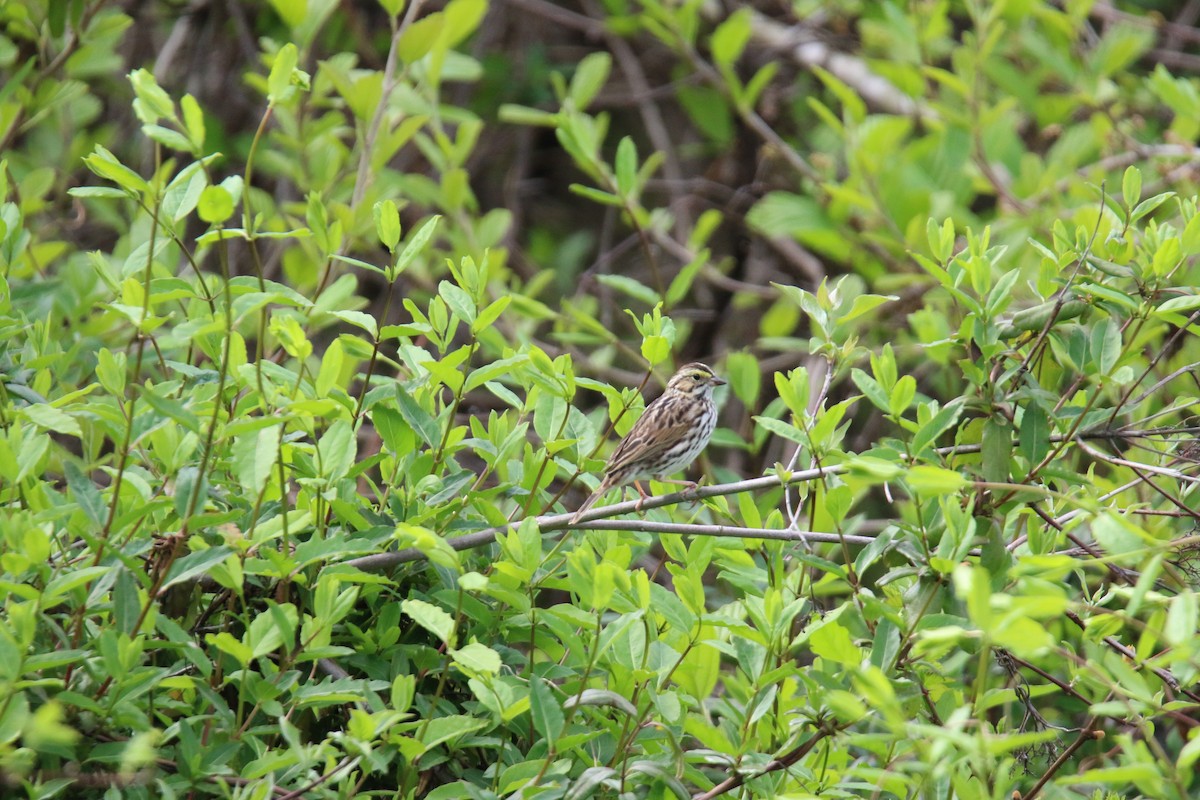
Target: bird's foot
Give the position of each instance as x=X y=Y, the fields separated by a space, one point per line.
x=642 y=499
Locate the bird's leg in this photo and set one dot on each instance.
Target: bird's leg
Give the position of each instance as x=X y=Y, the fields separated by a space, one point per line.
x=689 y=486
x=638 y=505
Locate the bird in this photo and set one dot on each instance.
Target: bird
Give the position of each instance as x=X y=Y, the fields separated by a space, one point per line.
x=667 y=437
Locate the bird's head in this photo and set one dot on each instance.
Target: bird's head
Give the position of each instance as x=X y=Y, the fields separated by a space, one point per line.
x=694 y=379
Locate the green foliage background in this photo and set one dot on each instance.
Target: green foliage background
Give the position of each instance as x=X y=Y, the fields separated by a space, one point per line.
x=316 y=320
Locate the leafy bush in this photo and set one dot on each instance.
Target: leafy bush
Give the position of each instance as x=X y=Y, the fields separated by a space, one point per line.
x=309 y=352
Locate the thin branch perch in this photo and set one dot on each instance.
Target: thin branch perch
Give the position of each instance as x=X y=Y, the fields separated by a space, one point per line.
x=381 y=562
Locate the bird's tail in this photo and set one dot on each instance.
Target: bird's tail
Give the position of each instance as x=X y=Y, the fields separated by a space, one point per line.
x=596 y=495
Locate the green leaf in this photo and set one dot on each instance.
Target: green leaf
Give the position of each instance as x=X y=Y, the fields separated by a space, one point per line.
x=709 y=111
x=191 y=492
x=902 y=395
x=416 y=42
x=547 y=713
x=996 y=451
x=227 y=644
x=942 y=421
x=1182 y=619
x=1188 y=754
x=337 y=450
x=106 y=165
x=866 y=303
x=491 y=313
x=416 y=416
x=415 y=245
x=277 y=628
x=683 y=281
x=360 y=264
x=853 y=106
x=105 y=192
x=1035 y=433
x=730 y=38
x=443 y=729
x=1149 y=205
x=85 y=493
x=477 y=658
x=254 y=457
x=387 y=224
x=597 y=195
x=656 y=349
x=1167 y=257
x=462 y=18
x=1118 y=536
x=513 y=114
x=184 y=191
x=745 y=377
x=496 y=369
x=279 y=82
x=1190 y=241
x=127 y=605
x=430 y=617
x=758 y=84
x=60 y=586
x=170 y=408
x=151 y=102
x=1124 y=776
x=168 y=137
x=1106 y=345
x=193 y=121
x=358 y=319
x=832 y=641
x=929 y=480
x=331 y=368
x=458 y=301
x=1131 y=186
x=589 y=78
x=626 y=165
x=195 y=564
x=216 y=205
x=110 y=370
x=397 y=434
x=630 y=287
x=871 y=389
x=781 y=428
x=52 y=419
x=1188 y=302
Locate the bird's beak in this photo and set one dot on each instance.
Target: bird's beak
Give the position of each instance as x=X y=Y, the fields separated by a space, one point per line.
x=718 y=381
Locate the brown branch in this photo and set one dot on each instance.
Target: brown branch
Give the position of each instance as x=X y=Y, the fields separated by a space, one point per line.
x=727 y=531
x=554 y=522
x=1163 y=675
x=1087 y=734
x=809 y=52
x=783 y=762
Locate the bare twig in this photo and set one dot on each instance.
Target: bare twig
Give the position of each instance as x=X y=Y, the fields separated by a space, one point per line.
x=1087 y=734
x=1119 y=161
x=554 y=522
x=1134 y=465
x=1163 y=675
x=783 y=762
x=561 y=16
x=652 y=119
x=808 y=52
x=727 y=531
x=362 y=178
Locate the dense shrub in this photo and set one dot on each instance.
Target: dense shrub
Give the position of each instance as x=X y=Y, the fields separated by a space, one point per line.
x=317 y=321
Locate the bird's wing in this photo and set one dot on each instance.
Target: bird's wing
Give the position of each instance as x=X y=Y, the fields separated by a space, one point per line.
x=652 y=435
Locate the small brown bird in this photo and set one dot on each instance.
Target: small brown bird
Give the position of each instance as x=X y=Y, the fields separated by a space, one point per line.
x=669 y=435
